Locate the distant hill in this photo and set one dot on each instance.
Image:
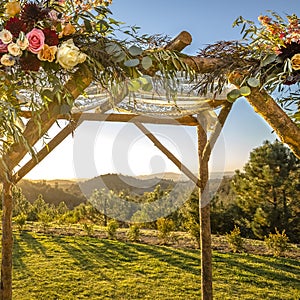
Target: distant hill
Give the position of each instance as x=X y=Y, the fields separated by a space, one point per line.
x=177 y=176
x=73 y=193
x=117 y=182
x=51 y=194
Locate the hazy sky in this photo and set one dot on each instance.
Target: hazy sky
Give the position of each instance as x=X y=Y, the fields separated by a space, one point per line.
x=110 y=148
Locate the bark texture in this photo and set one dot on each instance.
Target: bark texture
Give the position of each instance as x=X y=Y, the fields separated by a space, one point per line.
x=7 y=243
x=204 y=213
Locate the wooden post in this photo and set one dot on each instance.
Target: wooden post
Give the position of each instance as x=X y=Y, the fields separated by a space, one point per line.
x=7 y=242
x=204 y=213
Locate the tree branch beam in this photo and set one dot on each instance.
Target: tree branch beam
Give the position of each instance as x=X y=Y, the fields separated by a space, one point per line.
x=48 y=117
x=60 y=137
x=185 y=170
x=264 y=105
x=222 y=117
x=181 y=41
x=133 y=118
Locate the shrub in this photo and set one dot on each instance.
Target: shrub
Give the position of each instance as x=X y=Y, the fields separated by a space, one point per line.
x=88 y=228
x=277 y=242
x=235 y=241
x=45 y=219
x=111 y=229
x=133 y=233
x=20 y=220
x=165 y=227
x=194 y=230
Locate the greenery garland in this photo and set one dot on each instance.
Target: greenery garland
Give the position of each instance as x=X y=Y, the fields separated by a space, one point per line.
x=43 y=43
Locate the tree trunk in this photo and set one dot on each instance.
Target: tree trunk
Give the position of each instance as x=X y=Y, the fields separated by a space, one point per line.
x=7 y=242
x=204 y=212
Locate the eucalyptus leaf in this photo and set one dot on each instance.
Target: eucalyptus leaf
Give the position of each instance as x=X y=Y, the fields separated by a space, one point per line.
x=131 y=62
x=268 y=60
x=120 y=57
x=253 y=82
x=134 y=85
x=146 y=62
x=245 y=90
x=143 y=80
x=233 y=95
x=135 y=51
x=112 y=48
x=147 y=87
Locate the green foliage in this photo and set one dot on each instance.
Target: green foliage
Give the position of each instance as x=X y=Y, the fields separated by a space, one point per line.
x=112 y=228
x=20 y=220
x=20 y=203
x=44 y=218
x=62 y=208
x=224 y=211
x=88 y=228
x=165 y=227
x=190 y=213
x=273 y=43
x=235 y=240
x=277 y=242
x=267 y=191
x=133 y=233
x=71 y=217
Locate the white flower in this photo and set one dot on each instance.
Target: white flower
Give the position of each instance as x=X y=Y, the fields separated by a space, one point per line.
x=22 y=41
x=7 y=60
x=14 y=49
x=68 y=55
x=6 y=36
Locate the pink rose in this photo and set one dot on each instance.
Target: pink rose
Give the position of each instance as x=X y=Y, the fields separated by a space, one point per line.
x=3 y=47
x=36 y=39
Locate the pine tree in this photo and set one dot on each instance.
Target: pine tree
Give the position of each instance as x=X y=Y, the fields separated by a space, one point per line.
x=268 y=192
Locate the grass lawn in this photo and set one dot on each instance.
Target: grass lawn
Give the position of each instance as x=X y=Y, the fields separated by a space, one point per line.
x=78 y=267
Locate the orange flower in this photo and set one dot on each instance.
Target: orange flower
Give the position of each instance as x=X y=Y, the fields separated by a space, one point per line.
x=12 y=8
x=47 y=53
x=67 y=30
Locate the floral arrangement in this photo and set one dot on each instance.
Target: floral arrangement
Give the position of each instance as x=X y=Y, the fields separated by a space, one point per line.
x=45 y=43
x=268 y=57
x=37 y=32
x=276 y=44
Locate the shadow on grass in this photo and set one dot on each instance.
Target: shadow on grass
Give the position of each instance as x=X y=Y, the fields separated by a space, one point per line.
x=18 y=254
x=173 y=257
x=33 y=243
x=95 y=255
x=88 y=256
x=271 y=270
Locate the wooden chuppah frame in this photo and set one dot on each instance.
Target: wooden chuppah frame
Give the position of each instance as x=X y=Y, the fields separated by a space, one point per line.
x=262 y=103
x=205 y=147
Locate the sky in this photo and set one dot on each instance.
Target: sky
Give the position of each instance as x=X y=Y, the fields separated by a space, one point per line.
x=110 y=148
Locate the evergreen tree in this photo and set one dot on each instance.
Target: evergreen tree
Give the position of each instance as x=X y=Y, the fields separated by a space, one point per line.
x=268 y=190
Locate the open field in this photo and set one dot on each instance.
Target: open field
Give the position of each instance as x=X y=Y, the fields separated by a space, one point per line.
x=81 y=267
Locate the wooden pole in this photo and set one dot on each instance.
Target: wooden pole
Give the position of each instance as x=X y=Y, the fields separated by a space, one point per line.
x=7 y=242
x=204 y=213
x=17 y=151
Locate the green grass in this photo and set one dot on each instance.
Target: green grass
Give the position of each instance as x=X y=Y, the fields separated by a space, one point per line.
x=70 y=267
